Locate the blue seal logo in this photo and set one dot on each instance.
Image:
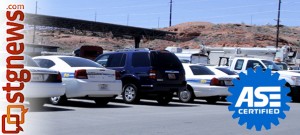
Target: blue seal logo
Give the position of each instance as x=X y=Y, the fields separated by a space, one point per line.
x=259 y=99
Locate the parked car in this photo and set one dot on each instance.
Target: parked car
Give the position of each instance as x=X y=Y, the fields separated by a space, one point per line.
x=146 y=74
x=204 y=83
x=44 y=83
x=83 y=78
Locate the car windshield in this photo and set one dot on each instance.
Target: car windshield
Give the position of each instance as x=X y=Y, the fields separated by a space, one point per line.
x=271 y=65
x=227 y=71
x=201 y=70
x=79 y=62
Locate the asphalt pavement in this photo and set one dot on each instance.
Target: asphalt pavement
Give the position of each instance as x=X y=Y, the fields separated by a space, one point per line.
x=83 y=117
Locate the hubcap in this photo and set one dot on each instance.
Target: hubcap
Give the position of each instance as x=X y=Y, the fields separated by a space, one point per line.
x=185 y=95
x=55 y=99
x=129 y=93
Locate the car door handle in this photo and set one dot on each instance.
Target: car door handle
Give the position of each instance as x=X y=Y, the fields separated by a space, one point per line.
x=123 y=71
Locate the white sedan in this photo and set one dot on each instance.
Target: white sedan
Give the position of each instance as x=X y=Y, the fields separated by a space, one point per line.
x=204 y=83
x=44 y=83
x=83 y=78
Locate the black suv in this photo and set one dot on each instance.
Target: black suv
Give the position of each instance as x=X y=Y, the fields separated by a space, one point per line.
x=146 y=74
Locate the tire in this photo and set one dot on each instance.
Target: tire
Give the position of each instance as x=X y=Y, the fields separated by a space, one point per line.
x=164 y=99
x=37 y=103
x=102 y=101
x=186 y=95
x=294 y=97
x=130 y=94
x=212 y=100
x=61 y=100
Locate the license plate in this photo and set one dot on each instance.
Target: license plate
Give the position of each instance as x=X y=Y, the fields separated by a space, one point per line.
x=228 y=83
x=171 y=76
x=37 y=78
x=102 y=86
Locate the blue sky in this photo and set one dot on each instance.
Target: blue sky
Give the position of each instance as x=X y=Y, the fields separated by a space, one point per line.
x=155 y=13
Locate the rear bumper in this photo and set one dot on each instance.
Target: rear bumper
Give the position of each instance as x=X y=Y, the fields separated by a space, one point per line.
x=162 y=88
x=208 y=91
x=81 y=88
x=43 y=90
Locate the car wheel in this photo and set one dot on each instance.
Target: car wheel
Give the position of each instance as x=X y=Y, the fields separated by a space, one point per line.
x=60 y=100
x=212 y=100
x=37 y=103
x=164 y=99
x=102 y=101
x=186 y=95
x=130 y=94
x=292 y=94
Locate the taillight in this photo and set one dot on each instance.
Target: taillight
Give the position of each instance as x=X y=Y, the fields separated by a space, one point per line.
x=152 y=74
x=214 y=81
x=118 y=75
x=58 y=77
x=81 y=74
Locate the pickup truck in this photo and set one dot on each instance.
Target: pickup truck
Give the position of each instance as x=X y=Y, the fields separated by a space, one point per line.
x=241 y=64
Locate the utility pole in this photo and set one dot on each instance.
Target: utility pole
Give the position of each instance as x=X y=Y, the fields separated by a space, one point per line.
x=34 y=27
x=278 y=20
x=170 y=21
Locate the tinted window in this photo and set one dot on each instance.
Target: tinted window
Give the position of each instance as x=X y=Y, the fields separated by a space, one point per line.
x=239 y=65
x=45 y=63
x=102 y=60
x=140 y=60
x=227 y=71
x=253 y=64
x=165 y=60
x=79 y=62
x=201 y=70
x=271 y=65
x=116 y=60
x=28 y=61
x=282 y=66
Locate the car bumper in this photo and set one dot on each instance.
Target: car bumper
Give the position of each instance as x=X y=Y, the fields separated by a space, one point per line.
x=162 y=88
x=208 y=91
x=43 y=90
x=81 y=88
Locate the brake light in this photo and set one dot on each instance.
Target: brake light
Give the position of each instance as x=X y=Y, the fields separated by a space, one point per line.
x=152 y=74
x=81 y=74
x=58 y=77
x=214 y=81
x=118 y=75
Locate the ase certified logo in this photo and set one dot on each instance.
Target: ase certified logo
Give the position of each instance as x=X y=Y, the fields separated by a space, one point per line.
x=259 y=99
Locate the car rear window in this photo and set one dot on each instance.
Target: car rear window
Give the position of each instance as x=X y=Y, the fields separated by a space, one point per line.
x=227 y=71
x=165 y=60
x=201 y=70
x=30 y=62
x=79 y=62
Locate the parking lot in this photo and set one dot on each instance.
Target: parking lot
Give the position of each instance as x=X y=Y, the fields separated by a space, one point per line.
x=84 y=117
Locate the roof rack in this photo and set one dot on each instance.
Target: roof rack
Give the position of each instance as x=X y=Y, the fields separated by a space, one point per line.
x=132 y=49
